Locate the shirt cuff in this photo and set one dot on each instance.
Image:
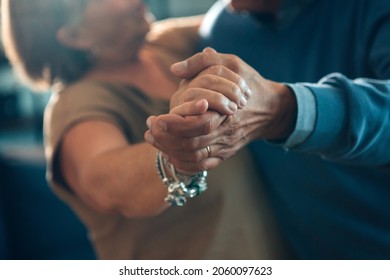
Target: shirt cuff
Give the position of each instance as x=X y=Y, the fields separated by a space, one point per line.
x=306 y=115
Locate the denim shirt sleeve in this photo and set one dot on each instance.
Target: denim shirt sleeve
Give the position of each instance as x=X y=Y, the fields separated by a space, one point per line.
x=306 y=115
x=352 y=120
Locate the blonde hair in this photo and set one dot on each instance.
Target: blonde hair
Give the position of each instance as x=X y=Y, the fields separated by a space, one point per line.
x=29 y=34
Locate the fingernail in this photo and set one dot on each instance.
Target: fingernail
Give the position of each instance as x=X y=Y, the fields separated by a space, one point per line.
x=245 y=89
x=149 y=138
x=201 y=105
x=179 y=67
x=232 y=106
x=248 y=92
x=163 y=126
x=243 y=101
x=149 y=123
x=209 y=49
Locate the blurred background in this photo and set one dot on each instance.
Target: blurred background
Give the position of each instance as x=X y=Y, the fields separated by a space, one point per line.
x=34 y=224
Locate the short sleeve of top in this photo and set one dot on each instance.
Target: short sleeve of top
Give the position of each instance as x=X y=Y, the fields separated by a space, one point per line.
x=174 y=39
x=121 y=105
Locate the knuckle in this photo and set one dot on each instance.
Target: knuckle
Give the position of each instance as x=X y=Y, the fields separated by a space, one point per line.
x=222 y=99
x=230 y=127
x=190 y=95
x=224 y=154
x=206 y=80
x=225 y=142
x=236 y=92
x=199 y=156
x=188 y=157
x=207 y=127
x=225 y=149
x=202 y=165
x=205 y=58
x=180 y=145
x=190 y=144
x=196 y=156
x=234 y=62
x=216 y=70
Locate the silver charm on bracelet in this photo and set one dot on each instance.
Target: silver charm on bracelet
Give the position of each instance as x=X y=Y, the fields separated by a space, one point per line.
x=180 y=187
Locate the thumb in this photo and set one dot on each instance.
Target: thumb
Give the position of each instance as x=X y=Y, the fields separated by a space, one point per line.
x=189 y=68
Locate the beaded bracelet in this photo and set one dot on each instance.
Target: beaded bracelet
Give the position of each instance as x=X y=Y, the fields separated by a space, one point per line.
x=180 y=186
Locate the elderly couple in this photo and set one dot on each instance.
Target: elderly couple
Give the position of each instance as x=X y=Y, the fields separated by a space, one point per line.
x=279 y=108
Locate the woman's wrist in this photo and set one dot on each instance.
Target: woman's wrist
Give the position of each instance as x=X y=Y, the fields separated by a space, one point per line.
x=180 y=186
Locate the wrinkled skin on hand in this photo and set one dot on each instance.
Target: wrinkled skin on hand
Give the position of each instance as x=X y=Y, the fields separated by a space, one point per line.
x=223 y=103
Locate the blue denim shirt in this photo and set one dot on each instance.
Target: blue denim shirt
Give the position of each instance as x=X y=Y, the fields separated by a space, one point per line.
x=329 y=182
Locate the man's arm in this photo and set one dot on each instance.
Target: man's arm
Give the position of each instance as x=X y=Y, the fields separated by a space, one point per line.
x=352 y=121
x=268 y=112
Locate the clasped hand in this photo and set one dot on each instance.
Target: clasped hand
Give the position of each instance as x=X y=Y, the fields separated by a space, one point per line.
x=222 y=103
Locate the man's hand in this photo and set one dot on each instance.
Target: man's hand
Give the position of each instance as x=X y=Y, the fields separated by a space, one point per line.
x=201 y=113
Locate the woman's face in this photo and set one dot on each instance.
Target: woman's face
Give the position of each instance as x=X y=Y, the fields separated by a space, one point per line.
x=117 y=27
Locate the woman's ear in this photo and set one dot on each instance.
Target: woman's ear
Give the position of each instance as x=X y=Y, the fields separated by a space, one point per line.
x=74 y=38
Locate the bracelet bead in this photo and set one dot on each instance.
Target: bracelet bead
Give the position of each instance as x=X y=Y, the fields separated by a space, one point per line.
x=180 y=187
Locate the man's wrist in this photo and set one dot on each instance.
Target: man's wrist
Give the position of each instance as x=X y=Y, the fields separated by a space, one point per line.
x=306 y=115
x=286 y=113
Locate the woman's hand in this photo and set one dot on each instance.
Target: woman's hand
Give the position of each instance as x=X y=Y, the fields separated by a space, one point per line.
x=202 y=118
